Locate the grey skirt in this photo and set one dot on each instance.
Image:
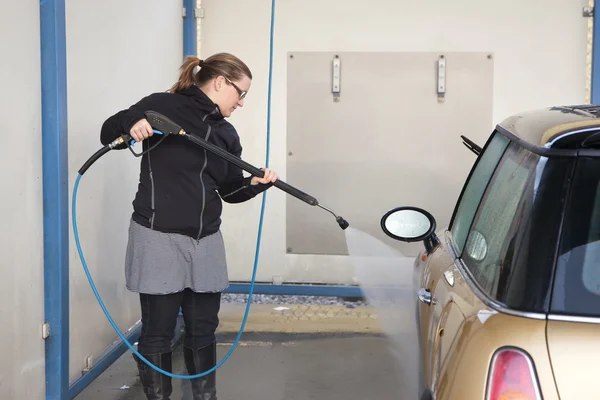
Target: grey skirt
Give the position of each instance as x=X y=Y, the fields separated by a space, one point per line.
x=162 y=263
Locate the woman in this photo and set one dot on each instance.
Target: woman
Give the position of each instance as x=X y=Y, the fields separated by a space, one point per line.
x=175 y=253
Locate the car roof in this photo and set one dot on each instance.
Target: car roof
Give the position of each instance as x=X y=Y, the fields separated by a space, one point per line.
x=555 y=130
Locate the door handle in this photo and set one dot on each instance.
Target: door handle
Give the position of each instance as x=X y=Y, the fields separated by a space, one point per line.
x=425 y=296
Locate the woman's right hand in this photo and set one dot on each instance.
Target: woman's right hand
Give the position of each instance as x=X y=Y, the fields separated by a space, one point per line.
x=141 y=130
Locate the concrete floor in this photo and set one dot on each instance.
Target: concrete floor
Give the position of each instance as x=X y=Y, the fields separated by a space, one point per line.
x=341 y=357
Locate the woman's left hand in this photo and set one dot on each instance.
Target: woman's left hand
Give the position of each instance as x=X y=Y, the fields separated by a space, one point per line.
x=269 y=177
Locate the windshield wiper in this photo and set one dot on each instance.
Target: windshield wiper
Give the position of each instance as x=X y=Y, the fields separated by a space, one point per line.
x=471 y=145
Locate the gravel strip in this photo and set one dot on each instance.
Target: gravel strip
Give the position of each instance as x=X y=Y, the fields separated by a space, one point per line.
x=285 y=299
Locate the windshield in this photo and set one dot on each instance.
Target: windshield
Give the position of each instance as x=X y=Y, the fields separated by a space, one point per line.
x=577 y=281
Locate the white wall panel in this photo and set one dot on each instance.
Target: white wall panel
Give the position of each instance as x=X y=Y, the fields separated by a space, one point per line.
x=539 y=50
x=21 y=237
x=117 y=52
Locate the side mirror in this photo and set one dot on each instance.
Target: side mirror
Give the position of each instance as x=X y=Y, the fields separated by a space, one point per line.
x=408 y=224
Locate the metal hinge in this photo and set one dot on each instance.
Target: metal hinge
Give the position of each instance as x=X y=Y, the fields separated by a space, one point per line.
x=46 y=330
x=198 y=12
x=277 y=280
x=441 y=78
x=336 y=77
x=89 y=363
x=588 y=11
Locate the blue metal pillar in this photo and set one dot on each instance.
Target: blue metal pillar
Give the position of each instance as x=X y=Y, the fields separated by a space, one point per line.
x=190 y=38
x=55 y=190
x=595 y=89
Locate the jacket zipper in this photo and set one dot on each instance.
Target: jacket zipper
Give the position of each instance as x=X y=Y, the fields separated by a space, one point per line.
x=202 y=173
x=152 y=205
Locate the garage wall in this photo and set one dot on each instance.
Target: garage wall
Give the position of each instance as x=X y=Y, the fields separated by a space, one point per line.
x=539 y=53
x=117 y=52
x=21 y=239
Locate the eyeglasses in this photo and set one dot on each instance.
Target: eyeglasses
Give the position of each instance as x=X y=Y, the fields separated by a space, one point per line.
x=241 y=92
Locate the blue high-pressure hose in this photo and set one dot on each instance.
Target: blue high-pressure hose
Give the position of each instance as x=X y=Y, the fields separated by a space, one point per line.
x=258 y=240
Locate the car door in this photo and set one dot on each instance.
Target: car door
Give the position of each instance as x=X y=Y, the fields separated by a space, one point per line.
x=434 y=302
x=436 y=307
x=428 y=296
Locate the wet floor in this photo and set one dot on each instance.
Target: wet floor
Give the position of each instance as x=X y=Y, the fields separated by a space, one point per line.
x=294 y=352
x=278 y=367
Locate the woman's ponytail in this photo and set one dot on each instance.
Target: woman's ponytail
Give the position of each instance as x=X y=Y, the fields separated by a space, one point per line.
x=224 y=64
x=186 y=75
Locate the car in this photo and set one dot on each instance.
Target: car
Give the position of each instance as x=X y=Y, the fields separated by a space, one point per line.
x=509 y=292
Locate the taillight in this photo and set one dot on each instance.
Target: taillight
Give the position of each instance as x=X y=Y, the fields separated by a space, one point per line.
x=512 y=377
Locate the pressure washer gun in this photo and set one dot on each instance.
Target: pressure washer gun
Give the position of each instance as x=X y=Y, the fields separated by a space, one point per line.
x=163 y=125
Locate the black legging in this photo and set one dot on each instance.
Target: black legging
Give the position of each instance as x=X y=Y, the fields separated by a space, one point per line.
x=159 y=318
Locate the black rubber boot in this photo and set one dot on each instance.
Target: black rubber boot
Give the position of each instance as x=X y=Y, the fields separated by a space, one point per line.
x=198 y=361
x=157 y=386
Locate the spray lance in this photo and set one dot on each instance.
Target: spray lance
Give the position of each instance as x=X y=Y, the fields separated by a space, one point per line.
x=166 y=126
x=162 y=125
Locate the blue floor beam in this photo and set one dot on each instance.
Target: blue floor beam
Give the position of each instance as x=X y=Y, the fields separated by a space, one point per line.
x=55 y=189
x=104 y=361
x=113 y=353
x=296 y=290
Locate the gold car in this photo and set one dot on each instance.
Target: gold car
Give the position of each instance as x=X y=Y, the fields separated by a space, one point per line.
x=509 y=292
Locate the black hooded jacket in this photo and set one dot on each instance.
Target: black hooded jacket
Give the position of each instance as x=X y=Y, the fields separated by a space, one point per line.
x=181 y=184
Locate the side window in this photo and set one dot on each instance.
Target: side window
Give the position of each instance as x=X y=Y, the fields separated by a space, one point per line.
x=474 y=189
x=503 y=212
